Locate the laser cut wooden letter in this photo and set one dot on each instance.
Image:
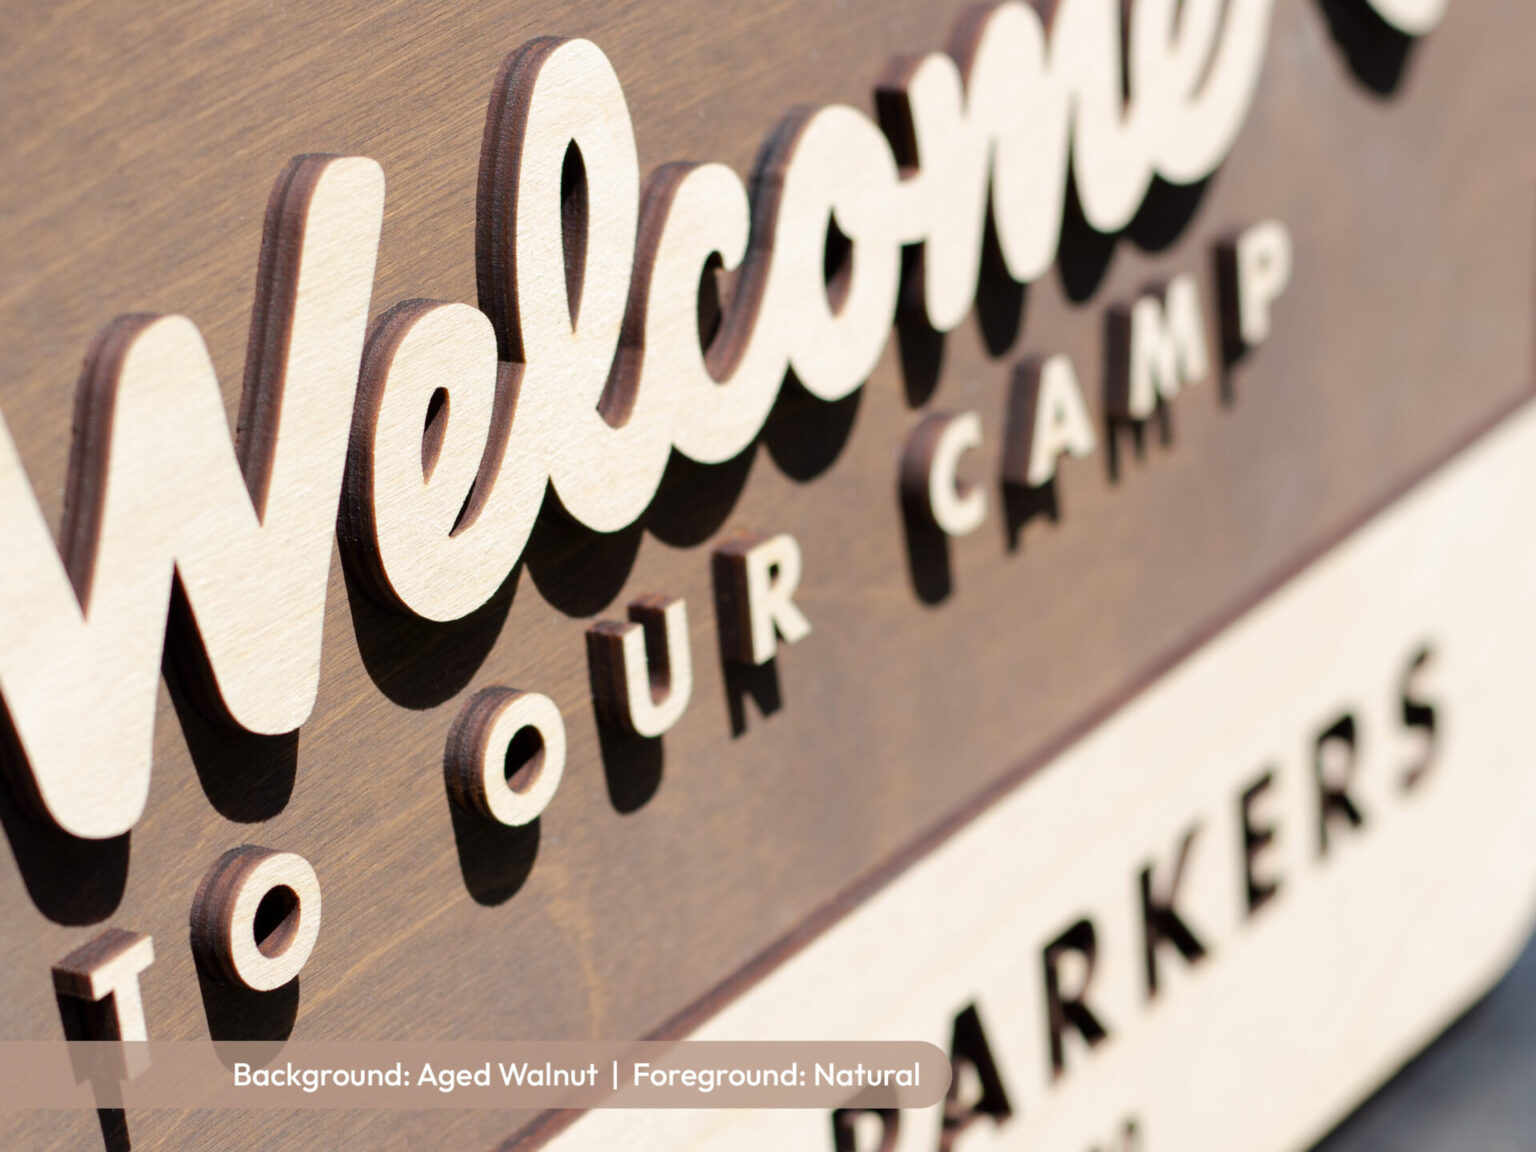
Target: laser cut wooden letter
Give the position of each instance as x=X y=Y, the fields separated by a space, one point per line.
x=422 y=436
x=488 y=772
x=1412 y=17
x=757 y=577
x=256 y=917
x=1255 y=270
x=155 y=489
x=1046 y=417
x=109 y=966
x=642 y=669
x=1156 y=346
x=929 y=473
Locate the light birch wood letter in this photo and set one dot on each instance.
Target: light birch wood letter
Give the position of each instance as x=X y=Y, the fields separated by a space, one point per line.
x=156 y=487
x=1413 y=17
x=558 y=212
x=930 y=473
x=109 y=966
x=642 y=669
x=1160 y=86
x=1202 y=59
x=604 y=369
x=1005 y=59
x=690 y=213
x=824 y=168
x=1257 y=266
x=255 y=917
x=993 y=120
x=422 y=439
x=1115 y=133
x=756 y=579
x=1046 y=417
x=1128 y=90
x=1156 y=346
x=493 y=772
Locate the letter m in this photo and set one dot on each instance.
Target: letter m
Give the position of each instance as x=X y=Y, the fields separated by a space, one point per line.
x=1155 y=347
x=158 y=498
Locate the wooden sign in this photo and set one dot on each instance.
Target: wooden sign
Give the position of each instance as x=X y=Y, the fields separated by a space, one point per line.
x=858 y=522
x=1228 y=912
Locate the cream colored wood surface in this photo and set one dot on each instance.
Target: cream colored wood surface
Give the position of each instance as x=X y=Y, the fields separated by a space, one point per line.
x=429 y=374
x=985 y=113
x=690 y=214
x=560 y=188
x=1376 y=934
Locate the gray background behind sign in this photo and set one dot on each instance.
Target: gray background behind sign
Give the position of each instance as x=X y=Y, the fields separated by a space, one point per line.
x=1473 y=1090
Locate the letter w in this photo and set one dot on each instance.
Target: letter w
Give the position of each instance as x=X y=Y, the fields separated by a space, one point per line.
x=156 y=490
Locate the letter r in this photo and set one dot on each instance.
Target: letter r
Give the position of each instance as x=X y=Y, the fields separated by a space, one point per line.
x=756 y=578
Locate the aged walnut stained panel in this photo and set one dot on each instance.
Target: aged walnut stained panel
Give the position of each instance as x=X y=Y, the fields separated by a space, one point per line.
x=141 y=147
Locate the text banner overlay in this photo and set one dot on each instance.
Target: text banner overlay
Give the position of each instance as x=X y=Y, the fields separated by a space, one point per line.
x=471 y=1074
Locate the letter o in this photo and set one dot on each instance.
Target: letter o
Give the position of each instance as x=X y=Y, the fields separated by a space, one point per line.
x=486 y=774
x=256 y=917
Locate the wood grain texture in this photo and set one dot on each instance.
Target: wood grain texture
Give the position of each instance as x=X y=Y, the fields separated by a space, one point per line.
x=428 y=384
x=1383 y=354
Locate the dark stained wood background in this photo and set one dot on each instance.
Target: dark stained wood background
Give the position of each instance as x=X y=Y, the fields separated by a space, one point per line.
x=140 y=142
